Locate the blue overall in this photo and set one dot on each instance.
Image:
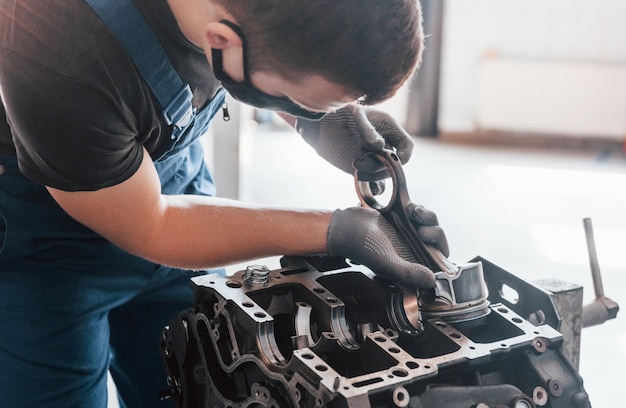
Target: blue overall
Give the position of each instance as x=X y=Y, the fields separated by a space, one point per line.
x=72 y=305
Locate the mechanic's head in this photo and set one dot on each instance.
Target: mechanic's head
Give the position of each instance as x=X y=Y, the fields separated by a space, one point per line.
x=370 y=47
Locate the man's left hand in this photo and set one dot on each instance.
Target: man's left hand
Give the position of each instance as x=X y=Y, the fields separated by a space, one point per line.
x=346 y=137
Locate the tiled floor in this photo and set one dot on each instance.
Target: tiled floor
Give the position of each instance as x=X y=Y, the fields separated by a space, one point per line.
x=519 y=208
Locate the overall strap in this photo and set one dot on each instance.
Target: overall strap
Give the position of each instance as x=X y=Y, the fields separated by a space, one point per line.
x=132 y=31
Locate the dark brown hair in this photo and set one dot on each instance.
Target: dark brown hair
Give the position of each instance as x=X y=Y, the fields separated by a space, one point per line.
x=369 y=46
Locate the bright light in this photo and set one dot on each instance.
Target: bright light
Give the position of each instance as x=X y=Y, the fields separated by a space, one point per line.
x=558 y=182
x=567 y=245
x=562 y=241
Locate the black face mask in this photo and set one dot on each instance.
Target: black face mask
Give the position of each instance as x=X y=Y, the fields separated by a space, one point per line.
x=246 y=92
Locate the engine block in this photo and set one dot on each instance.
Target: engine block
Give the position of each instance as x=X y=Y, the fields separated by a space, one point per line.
x=322 y=333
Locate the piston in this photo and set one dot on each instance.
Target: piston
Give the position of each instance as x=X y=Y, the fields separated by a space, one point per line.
x=458 y=296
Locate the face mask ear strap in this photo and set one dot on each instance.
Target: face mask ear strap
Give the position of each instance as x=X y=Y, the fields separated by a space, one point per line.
x=244 y=41
x=218 y=65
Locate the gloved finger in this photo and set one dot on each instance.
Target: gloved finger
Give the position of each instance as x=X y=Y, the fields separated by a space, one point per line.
x=429 y=230
x=370 y=168
x=422 y=215
x=404 y=149
x=394 y=134
x=397 y=138
x=436 y=237
x=377 y=115
x=372 y=140
x=408 y=274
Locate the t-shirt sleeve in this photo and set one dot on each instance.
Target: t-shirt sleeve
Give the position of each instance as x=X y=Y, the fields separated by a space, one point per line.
x=74 y=131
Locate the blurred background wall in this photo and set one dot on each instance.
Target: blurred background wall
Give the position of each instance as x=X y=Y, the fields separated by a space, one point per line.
x=555 y=67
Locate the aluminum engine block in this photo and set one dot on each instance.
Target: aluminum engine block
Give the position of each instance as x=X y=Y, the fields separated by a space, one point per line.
x=321 y=333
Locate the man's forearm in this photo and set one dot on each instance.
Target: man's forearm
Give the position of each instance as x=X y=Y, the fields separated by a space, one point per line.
x=202 y=232
x=192 y=232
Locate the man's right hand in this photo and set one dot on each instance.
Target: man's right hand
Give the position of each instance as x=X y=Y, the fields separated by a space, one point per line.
x=365 y=237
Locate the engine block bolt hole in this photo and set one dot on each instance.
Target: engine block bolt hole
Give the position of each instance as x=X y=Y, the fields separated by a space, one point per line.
x=538 y=317
x=321 y=368
x=401 y=397
x=540 y=396
x=400 y=373
x=380 y=339
x=555 y=387
x=522 y=403
x=540 y=345
x=391 y=334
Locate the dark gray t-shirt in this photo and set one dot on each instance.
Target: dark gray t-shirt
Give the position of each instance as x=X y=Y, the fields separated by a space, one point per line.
x=77 y=111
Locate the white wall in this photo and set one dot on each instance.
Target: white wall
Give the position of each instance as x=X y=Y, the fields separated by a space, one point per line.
x=532 y=30
x=577 y=99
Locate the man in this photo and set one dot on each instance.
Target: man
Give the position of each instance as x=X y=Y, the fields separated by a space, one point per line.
x=107 y=206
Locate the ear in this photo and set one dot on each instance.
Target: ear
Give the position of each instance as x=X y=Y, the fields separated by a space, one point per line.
x=221 y=36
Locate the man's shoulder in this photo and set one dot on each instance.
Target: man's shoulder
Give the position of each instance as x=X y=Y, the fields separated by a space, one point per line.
x=54 y=34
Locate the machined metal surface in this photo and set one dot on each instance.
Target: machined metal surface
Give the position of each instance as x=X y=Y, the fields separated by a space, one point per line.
x=459 y=295
x=320 y=337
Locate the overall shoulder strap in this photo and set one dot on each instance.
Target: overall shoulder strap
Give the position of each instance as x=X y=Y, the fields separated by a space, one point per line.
x=132 y=31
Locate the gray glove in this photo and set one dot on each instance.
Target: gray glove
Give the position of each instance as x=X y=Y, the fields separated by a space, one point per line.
x=365 y=237
x=428 y=228
x=343 y=138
